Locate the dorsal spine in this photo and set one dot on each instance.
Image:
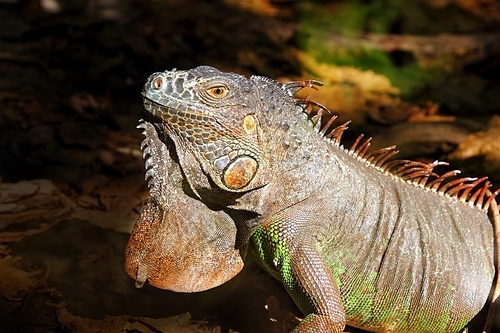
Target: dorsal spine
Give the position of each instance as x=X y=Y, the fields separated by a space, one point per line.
x=472 y=191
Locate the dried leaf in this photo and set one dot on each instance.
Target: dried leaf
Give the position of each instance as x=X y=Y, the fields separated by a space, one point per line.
x=488 y=9
x=124 y=324
x=368 y=82
x=349 y=90
x=16 y=279
x=483 y=145
x=416 y=139
x=37 y=203
x=260 y=7
x=108 y=220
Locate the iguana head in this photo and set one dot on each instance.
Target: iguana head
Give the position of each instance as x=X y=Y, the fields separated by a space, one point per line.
x=215 y=120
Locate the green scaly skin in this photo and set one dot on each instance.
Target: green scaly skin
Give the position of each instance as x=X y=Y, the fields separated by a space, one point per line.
x=350 y=242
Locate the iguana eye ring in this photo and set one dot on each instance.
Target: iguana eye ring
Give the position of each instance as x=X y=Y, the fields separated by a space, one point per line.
x=157 y=83
x=219 y=91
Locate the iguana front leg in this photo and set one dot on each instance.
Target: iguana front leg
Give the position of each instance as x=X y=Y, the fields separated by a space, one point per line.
x=311 y=283
x=302 y=271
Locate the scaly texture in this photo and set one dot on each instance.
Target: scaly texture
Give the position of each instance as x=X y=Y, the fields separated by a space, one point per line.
x=176 y=244
x=238 y=165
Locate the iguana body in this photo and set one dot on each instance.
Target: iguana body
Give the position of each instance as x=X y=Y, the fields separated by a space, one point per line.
x=383 y=246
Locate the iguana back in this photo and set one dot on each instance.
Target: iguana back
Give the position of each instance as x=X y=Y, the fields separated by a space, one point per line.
x=384 y=246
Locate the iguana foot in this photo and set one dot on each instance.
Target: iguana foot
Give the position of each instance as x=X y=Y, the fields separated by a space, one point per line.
x=314 y=323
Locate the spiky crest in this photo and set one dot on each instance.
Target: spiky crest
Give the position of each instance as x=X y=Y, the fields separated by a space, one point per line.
x=473 y=191
x=292 y=87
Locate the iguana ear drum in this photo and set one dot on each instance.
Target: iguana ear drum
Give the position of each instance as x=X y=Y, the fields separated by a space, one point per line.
x=249 y=124
x=240 y=172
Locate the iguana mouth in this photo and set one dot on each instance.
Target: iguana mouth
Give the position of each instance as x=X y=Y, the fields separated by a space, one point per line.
x=174 y=112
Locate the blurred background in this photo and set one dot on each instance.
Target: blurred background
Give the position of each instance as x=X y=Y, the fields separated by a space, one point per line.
x=422 y=74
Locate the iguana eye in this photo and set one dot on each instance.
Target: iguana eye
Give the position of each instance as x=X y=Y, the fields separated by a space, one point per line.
x=157 y=83
x=218 y=91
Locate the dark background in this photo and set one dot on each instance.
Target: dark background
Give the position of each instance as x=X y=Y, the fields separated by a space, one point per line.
x=71 y=73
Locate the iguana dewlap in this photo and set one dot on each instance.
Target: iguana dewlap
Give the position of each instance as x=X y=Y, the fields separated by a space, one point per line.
x=238 y=165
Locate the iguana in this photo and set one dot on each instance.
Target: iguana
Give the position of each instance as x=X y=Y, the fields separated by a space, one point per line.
x=237 y=166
